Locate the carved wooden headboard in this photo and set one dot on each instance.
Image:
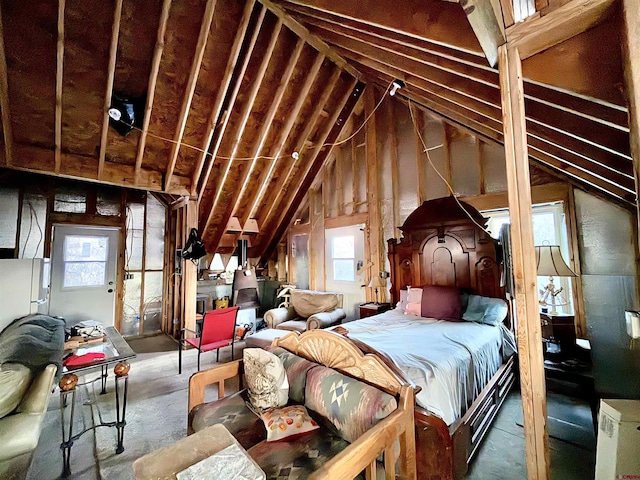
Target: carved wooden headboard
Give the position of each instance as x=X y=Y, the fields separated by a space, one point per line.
x=443 y=246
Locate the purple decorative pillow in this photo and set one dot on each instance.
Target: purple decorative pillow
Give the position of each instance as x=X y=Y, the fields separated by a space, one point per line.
x=442 y=303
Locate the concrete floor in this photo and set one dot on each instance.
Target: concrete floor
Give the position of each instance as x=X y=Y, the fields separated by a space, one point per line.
x=501 y=455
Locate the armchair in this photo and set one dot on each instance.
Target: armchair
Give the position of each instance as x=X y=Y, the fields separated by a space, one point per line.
x=308 y=310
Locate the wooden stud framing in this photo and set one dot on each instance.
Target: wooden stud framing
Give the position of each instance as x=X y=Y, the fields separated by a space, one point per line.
x=222 y=126
x=4 y=101
x=205 y=28
x=339 y=158
x=143 y=266
x=532 y=384
x=395 y=168
x=317 y=239
x=481 y=166
x=59 y=79
x=111 y=72
x=572 y=18
x=189 y=270
x=151 y=89
x=244 y=118
x=122 y=240
x=421 y=159
x=374 y=220
x=630 y=49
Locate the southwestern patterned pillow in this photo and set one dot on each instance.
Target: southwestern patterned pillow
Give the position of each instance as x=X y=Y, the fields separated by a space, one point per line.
x=353 y=407
x=296 y=368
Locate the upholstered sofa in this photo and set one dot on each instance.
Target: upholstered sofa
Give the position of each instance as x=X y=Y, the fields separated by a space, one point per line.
x=364 y=410
x=308 y=310
x=31 y=350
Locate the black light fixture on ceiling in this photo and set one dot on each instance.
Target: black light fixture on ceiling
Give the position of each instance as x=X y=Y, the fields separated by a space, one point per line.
x=125 y=113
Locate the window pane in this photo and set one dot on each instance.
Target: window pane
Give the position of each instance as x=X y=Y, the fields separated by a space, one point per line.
x=78 y=248
x=84 y=274
x=344 y=247
x=544 y=228
x=344 y=271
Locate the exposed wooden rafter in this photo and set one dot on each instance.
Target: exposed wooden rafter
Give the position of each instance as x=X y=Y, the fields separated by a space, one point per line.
x=111 y=72
x=59 y=78
x=153 y=78
x=212 y=150
x=4 y=101
x=538 y=34
x=205 y=28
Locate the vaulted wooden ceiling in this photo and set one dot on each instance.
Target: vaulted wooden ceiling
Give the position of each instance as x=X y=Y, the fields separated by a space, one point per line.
x=241 y=99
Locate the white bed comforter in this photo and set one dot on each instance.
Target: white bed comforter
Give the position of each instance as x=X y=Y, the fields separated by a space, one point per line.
x=451 y=361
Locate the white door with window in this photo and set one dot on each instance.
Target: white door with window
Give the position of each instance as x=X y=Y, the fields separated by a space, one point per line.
x=83 y=273
x=344 y=254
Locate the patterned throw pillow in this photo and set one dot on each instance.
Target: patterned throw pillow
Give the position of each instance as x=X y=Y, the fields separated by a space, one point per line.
x=353 y=407
x=287 y=422
x=296 y=368
x=265 y=378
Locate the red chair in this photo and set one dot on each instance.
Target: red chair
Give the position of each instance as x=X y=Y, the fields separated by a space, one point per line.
x=218 y=330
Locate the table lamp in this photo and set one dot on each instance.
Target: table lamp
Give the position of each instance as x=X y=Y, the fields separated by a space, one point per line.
x=375 y=283
x=549 y=263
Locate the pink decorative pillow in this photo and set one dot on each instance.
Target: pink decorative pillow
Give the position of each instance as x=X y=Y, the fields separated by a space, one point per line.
x=286 y=422
x=413 y=309
x=442 y=303
x=414 y=299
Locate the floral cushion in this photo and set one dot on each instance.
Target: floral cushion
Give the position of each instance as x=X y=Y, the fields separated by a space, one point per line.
x=296 y=368
x=353 y=407
x=233 y=413
x=287 y=422
x=266 y=379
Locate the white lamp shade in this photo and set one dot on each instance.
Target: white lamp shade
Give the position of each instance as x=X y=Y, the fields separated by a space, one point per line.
x=549 y=262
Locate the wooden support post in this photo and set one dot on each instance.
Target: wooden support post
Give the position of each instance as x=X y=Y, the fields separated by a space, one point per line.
x=282 y=263
x=189 y=270
x=316 y=241
x=524 y=268
x=376 y=248
x=630 y=49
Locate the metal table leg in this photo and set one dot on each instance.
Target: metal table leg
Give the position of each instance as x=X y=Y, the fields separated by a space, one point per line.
x=67 y=386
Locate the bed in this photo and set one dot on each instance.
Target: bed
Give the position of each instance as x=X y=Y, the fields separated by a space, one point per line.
x=462 y=369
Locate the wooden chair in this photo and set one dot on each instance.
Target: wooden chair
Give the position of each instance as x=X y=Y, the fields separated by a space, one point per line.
x=218 y=330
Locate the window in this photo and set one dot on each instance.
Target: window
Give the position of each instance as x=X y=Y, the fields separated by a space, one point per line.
x=85 y=260
x=343 y=252
x=549 y=227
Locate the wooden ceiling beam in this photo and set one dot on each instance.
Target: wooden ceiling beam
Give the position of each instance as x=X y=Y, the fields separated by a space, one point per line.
x=59 y=79
x=240 y=188
x=212 y=144
x=538 y=34
x=111 y=72
x=244 y=117
x=330 y=132
x=205 y=28
x=422 y=19
x=153 y=78
x=317 y=43
x=485 y=18
x=4 y=101
x=232 y=62
x=41 y=160
x=284 y=134
x=285 y=178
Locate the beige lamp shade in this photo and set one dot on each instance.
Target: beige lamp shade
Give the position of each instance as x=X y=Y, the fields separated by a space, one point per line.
x=550 y=263
x=377 y=282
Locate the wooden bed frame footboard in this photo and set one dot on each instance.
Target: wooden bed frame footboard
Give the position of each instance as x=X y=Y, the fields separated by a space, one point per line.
x=444 y=452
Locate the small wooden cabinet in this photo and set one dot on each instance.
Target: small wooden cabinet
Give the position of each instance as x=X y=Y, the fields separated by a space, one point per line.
x=369 y=309
x=559 y=328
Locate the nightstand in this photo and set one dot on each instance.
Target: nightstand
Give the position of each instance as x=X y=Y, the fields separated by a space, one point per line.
x=369 y=309
x=559 y=329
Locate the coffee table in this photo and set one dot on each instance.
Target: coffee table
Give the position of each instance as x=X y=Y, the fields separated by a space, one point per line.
x=116 y=351
x=166 y=463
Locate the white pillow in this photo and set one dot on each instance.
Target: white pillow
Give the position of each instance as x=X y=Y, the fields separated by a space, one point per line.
x=414 y=302
x=266 y=379
x=14 y=381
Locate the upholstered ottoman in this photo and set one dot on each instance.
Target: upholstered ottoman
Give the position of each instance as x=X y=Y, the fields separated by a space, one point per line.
x=263 y=338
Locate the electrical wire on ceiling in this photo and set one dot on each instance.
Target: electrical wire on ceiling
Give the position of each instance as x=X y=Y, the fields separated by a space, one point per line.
x=426 y=150
x=294 y=155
